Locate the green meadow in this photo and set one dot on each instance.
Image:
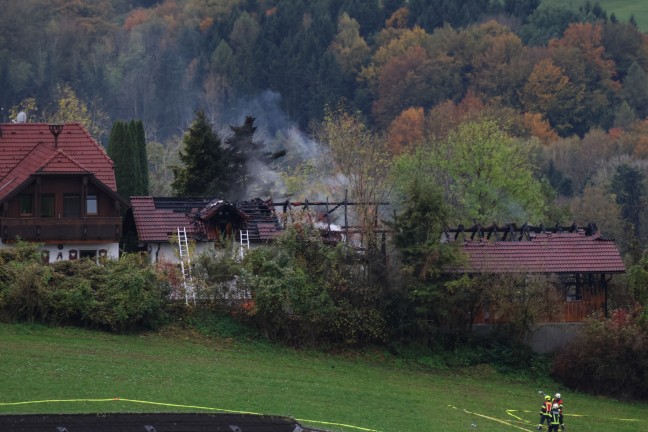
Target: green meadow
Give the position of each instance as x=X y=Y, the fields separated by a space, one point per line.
x=623 y=9
x=65 y=370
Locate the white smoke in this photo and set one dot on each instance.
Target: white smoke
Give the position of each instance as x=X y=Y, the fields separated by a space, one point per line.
x=276 y=133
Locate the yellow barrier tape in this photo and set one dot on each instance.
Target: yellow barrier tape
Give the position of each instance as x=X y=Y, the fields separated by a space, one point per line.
x=504 y=422
x=119 y=399
x=510 y=412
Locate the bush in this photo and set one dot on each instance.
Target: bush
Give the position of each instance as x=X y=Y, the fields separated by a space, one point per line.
x=610 y=358
x=305 y=292
x=119 y=295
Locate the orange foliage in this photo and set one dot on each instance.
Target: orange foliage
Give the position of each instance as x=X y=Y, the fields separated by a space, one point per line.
x=641 y=147
x=584 y=41
x=398 y=19
x=539 y=127
x=615 y=133
x=447 y=115
x=137 y=17
x=271 y=11
x=206 y=24
x=406 y=129
x=402 y=75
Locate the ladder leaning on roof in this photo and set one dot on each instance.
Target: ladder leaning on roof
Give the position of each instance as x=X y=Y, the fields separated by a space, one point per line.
x=185 y=265
x=244 y=242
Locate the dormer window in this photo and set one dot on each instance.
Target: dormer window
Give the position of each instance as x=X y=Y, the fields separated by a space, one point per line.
x=26 y=205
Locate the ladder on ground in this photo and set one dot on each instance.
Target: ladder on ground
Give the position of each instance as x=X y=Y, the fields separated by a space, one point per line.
x=244 y=242
x=185 y=265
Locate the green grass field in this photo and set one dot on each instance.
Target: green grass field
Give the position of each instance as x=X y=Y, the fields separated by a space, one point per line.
x=341 y=392
x=623 y=9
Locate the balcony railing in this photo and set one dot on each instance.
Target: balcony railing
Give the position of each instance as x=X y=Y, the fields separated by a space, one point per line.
x=50 y=230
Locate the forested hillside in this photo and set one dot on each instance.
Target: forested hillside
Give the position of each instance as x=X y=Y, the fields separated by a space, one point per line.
x=567 y=85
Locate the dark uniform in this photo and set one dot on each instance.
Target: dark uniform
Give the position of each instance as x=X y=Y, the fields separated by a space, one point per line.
x=545 y=412
x=558 y=400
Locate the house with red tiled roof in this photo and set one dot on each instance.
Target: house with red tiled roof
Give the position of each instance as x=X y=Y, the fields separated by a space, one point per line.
x=155 y=221
x=581 y=259
x=57 y=188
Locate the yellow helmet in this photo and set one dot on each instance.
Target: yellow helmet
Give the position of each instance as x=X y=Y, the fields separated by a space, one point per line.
x=547 y=397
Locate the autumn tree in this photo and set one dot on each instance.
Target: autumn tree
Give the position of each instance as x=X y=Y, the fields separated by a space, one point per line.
x=406 y=130
x=499 y=63
x=580 y=55
x=349 y=48
x=69 y=108
x=550 y=92
x=358 y=162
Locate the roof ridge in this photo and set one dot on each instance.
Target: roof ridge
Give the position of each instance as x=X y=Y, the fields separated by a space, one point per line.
x=15 y=167
x=58 y=152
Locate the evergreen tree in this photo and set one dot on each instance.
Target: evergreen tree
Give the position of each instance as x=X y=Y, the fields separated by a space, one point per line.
x=635 y=90
x=123 y=152
x=206 y=164
x=628 y=186
x=142 y=157
x=625 y=116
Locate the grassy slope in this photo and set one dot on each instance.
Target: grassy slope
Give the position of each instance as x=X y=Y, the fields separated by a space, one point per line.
x=38 y=363
x=621 y=8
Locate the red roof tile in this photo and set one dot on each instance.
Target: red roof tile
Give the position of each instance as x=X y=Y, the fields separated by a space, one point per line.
x=159 y=224
x=157 y=218
x=545 y=253
x=28 y=148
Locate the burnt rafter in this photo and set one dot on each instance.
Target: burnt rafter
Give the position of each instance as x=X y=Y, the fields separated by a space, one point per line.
x=287 y=204
x=512 y=232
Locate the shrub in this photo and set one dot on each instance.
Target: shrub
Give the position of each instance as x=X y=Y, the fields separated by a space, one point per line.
x=119 y=295
x=611 y=356
x=305 y=292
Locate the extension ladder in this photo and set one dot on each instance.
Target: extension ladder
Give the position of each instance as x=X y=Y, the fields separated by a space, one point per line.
x=244 y=242
x=185 y=265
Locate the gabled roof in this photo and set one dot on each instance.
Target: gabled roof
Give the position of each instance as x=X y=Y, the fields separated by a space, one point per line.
x=28 y=149
x=157 y=218
x=545 y=253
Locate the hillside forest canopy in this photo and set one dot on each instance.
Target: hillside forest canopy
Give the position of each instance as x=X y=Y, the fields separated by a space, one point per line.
x=464 y=92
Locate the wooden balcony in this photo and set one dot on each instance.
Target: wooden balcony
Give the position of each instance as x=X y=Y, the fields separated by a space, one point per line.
x=51 y=230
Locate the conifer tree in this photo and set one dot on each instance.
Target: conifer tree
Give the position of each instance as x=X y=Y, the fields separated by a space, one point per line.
x=123 y=152
x=205 y=163
x=139 y=143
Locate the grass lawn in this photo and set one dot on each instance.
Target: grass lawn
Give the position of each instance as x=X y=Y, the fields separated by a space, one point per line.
x=621 y=8
x=368 y=392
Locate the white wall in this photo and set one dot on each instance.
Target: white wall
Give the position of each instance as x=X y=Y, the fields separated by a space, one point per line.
x=62 y=252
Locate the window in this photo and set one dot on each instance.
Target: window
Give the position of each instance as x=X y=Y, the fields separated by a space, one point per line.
x=88 y=254
x=47 y=206
x=91 y=205
x=26 y=205
x=71 y=205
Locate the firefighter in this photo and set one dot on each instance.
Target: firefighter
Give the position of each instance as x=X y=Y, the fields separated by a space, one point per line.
x=554 y=419
x=558 y=400
x=545 y=412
